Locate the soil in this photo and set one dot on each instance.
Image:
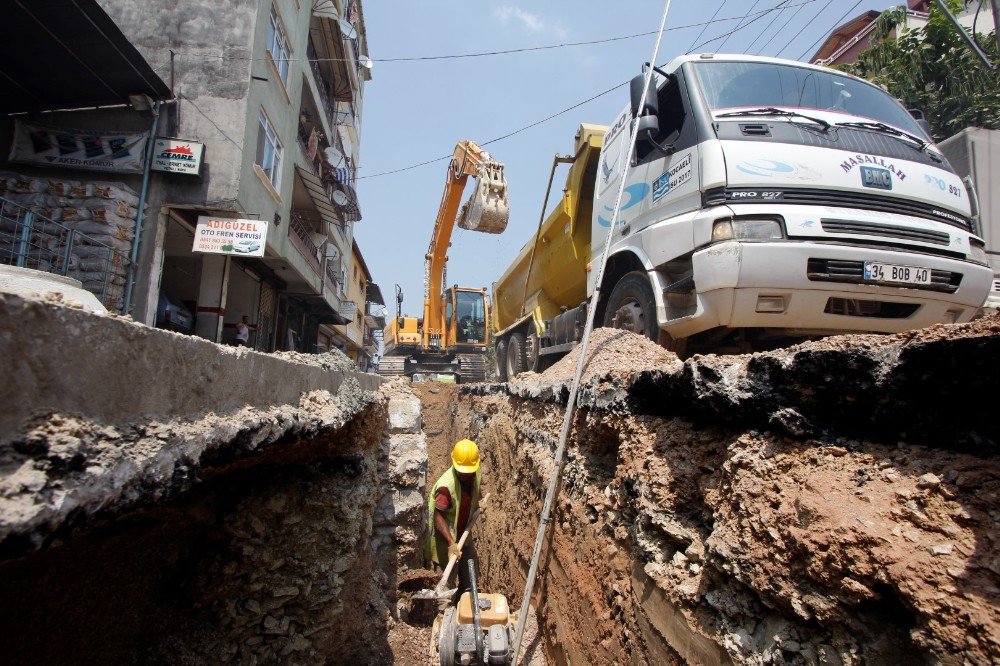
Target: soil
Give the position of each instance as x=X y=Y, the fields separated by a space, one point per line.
x=613 y=352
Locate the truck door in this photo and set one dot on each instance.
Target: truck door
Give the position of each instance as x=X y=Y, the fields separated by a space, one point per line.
x=672 y=166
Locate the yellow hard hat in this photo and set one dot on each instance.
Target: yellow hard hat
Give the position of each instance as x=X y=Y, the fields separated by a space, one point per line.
x=465 y=456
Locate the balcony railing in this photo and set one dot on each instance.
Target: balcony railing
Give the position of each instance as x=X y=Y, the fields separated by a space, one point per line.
x=298 y=231
x=334 y=114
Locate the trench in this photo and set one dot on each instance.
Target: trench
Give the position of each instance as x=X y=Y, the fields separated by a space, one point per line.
x=682 y=533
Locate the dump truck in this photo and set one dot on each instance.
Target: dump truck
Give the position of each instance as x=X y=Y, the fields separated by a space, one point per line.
x=765 y=202
x=453 y=335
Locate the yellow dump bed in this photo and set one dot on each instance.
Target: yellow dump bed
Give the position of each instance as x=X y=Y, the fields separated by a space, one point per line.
x=558 y=271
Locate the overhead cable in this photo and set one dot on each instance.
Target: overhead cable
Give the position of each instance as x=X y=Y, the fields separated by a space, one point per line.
x=503 y=136
x=796 y=35
x=758 y=16
x=836 y=24
x=730 y=34
x=780 y=30
x=705 y=27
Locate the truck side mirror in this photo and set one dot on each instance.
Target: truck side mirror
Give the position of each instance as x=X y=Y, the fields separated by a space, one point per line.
x=649 y=106
x=921 y=119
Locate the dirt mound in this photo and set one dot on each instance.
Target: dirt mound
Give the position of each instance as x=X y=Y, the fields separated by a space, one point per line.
x=613 y=352
x=328 y=361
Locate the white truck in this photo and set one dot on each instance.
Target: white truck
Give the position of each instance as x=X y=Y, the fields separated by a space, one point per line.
x=975 y=153
x=770 y=200
x=767 y=201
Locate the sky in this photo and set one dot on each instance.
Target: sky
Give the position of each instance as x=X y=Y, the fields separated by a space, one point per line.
x=415 y=111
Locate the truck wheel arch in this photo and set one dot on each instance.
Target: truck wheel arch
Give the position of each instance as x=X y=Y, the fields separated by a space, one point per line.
x=619 y=265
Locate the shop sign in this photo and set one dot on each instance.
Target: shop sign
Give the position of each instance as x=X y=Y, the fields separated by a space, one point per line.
x=223 y=235
x=94 y=150
x=175 y=156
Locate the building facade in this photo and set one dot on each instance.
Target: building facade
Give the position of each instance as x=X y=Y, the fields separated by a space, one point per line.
x=273 y=90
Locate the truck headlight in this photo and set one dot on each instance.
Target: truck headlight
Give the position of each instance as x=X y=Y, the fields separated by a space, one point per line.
x=747 y=229
x=977 y=252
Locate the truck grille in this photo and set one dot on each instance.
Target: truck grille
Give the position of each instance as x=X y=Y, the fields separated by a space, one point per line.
x=853 y=272
x=838 y=199
x=887 y=230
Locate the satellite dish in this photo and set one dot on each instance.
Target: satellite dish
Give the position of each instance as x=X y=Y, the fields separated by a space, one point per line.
x=332 y=252
x=340 y=198
x=365 y=61
x=333 y=156
x=347 y=29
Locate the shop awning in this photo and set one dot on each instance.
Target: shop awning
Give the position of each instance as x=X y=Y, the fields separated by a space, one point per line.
x=66 y=54
x=373 y=294
x=318 y=194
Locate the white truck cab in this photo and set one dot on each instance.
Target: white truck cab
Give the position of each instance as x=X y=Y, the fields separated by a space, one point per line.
x=771 y=200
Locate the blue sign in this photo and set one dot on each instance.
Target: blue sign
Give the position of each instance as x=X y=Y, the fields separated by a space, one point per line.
x=880 y=179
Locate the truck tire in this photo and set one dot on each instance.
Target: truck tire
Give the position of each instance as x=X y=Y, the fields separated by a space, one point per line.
x=532 y=359
x=500 y=358
x=516 y=359
x=632 y=307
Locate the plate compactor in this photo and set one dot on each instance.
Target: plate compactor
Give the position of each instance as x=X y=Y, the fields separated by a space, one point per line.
x=478 y=630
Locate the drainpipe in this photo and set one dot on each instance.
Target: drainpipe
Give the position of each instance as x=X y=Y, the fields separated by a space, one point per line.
x=150 y=147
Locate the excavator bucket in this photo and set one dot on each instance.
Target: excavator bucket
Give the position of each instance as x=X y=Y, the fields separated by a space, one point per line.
x=488 y=209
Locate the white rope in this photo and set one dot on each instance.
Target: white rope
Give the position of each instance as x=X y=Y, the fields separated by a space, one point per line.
x=554 y=479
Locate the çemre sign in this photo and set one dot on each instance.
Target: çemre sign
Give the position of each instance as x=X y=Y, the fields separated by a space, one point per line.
x=173 y=156
x=223 y=235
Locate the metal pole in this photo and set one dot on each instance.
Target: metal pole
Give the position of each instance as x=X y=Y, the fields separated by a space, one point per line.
x=969 y=41
x=22 y=250
x=556 y=161
x=130 y=281
x=553 y=488
x=70 y=237
x=996 y=20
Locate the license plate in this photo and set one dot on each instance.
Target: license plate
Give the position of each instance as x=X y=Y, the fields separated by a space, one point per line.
x=879 y=272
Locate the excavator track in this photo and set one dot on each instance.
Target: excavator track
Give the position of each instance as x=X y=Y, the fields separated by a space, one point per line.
x=392 y=366
x=471 y=368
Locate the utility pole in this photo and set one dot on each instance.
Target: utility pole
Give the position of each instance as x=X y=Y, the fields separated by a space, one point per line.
x=996 y=20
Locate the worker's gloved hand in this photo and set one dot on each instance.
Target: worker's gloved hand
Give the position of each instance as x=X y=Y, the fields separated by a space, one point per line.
x=454 y=551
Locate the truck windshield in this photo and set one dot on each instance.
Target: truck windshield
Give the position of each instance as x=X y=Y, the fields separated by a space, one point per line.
x=471 y=316
x=729 y=85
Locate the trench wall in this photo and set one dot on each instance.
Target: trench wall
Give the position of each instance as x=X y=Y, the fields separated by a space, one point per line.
x=747 y=509
x=259 y=527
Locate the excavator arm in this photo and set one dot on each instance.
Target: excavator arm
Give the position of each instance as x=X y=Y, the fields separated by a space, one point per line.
x=487 y=210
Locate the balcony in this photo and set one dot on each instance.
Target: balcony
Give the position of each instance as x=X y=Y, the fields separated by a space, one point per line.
x=338 y=112
x=298 y=231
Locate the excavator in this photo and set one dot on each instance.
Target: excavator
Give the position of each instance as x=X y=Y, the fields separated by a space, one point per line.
x=453 y=335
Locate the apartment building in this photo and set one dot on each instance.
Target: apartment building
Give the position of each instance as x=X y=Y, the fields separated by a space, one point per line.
x=270 y=95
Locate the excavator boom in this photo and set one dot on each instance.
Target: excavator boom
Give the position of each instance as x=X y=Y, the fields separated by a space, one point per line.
x=453 y=339
x=487 y=211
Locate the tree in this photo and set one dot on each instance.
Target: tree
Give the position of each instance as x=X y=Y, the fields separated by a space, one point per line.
x=932 y=69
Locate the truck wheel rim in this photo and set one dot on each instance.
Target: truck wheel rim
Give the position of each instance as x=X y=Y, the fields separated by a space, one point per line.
x=629 y=317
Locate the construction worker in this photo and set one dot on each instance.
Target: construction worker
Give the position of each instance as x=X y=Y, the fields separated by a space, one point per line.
x=453 y=499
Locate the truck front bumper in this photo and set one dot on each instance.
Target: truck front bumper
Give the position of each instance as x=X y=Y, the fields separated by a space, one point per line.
x=775 y=285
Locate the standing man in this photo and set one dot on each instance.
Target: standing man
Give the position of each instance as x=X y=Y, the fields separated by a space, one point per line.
x=242 y=332
x=453 y=499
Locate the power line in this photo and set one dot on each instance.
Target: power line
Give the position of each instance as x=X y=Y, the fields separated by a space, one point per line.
x=527 y=49
x=760 y=15
x=835 y=24
x=730 y=34
x=502 y=137
x=766 y=28
x=783 y=26
x=705 y=27
x=796 y=35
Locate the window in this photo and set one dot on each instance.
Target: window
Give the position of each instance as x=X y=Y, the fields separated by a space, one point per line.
x=470 y=309
x=269 y=151
x=277 y=45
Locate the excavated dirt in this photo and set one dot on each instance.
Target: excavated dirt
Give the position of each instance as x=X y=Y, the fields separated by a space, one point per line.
x=729 y=509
